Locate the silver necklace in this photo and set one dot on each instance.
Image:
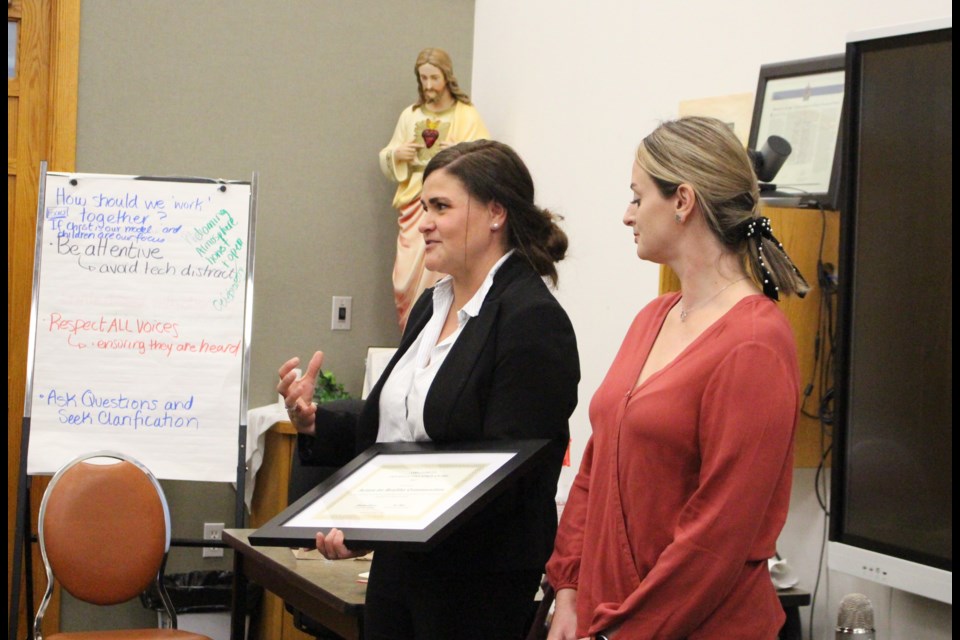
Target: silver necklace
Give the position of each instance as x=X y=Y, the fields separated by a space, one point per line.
x=686 y=312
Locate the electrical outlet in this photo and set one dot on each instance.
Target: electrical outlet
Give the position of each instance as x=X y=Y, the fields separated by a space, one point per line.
x=340 y=315
x=213 y=531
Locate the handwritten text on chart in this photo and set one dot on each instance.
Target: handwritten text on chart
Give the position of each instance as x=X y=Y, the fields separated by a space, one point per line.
x=119 y=410
x=111 y=324
x=212 y=240
x=116 y=216
x=137 y=335
x=129 y=234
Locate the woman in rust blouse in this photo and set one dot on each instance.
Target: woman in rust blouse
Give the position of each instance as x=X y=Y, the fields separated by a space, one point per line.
x=685 y=481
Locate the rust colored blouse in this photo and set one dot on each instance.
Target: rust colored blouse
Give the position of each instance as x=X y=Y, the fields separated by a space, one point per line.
x=685 y=483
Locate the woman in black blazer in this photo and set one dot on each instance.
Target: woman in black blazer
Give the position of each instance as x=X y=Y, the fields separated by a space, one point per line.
x=487 y=354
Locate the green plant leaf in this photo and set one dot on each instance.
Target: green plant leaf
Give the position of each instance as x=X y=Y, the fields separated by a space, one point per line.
x=328 y=388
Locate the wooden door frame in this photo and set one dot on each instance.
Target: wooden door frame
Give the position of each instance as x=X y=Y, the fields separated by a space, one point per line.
x=51 y=94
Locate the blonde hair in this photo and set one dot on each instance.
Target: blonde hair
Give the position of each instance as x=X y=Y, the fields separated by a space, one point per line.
x=705 y=154
x=441 y=60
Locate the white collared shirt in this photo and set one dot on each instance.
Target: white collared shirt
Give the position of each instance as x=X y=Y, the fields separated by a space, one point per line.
x=405 y=391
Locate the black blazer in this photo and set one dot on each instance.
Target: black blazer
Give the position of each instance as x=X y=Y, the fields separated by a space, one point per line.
x=511 y=374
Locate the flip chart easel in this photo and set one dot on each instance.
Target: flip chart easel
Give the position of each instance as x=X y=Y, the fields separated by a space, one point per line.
x=140 y=329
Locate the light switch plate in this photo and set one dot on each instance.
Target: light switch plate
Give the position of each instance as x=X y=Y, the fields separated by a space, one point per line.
x=341 y=313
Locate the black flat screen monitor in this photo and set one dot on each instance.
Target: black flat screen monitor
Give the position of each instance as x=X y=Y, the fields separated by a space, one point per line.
x=801 y=101
x=891 y=509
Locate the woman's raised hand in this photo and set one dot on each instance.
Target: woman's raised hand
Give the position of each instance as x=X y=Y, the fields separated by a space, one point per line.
x=298 y=392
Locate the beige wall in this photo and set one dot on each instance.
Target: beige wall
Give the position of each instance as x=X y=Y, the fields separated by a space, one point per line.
x=305 y=94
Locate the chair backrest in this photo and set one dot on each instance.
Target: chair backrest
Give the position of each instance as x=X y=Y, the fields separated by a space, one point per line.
x=104 y=530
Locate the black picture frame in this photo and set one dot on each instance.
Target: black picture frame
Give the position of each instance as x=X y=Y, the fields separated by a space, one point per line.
x=523 y=456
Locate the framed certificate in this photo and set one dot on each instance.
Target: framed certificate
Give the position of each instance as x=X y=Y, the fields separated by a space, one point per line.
x=403 y=494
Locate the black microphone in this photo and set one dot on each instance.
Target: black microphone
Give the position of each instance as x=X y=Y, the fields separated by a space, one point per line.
x=768 y=160
x=855 y=618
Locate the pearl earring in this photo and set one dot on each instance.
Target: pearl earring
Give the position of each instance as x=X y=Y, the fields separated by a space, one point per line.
x=495 y=226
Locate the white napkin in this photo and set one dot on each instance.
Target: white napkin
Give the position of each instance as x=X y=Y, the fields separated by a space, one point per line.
x=259 y=421
x=781 y=573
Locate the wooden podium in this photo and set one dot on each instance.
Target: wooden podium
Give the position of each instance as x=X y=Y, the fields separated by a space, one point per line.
x=804 y=234
x=269 y=499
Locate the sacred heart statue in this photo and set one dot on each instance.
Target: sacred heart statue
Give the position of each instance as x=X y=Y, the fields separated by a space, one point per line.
x=430 y=136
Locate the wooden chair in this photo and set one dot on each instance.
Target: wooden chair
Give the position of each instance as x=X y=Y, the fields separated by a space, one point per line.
x=104 y=533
